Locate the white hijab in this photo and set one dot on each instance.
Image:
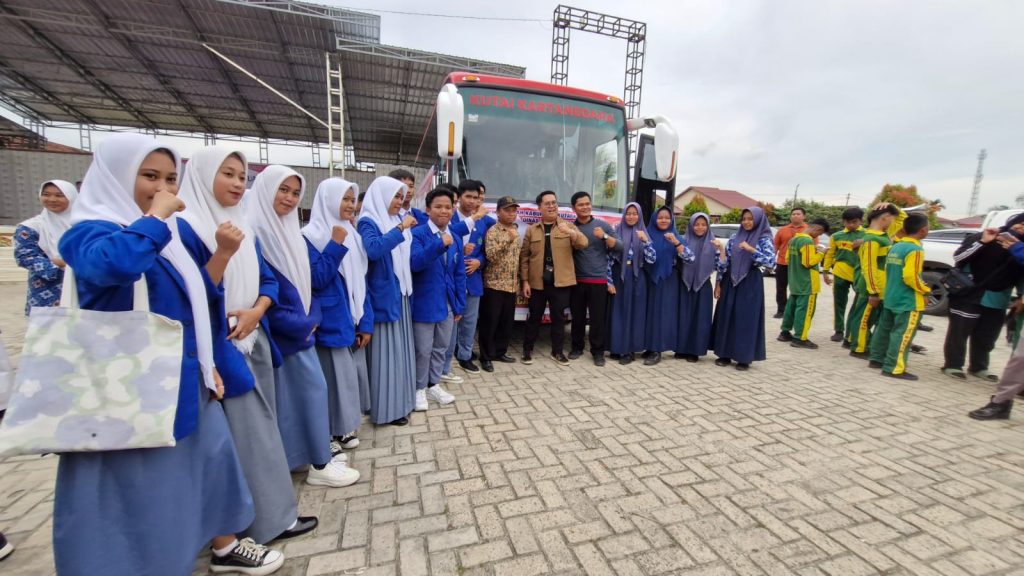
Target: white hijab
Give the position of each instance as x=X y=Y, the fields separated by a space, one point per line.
x=49 y=225
x=204 y=213
x=375 y=209
x=325 y=216
x=280 y=236
x=108 y=194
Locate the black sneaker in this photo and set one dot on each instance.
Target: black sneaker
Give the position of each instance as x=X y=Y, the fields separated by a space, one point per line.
x=837 y=337
x=626 y=359
x=918 y=349
x=861 y=355
x=468 y=366
x=399 y=422
x=653 y=359
x=803 y=344
x=722 y=362
x=784 y=336
x=560 y=358
x=846 y=344
x=779 y=315
x=5 y=547
x=875 y=364
x=248 y=557
x=574 y=354
x=303 y=524
x=505 y=358
x=487 y=365
x=742 y=367
x=903 y=376
x=527 y=358
x=599 y=360
x=692 y=359
x=924 y=327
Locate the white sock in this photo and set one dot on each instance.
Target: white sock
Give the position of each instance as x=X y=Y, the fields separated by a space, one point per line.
x=222 y=552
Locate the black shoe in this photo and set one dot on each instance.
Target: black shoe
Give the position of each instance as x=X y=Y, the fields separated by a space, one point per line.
x=626 y=359
x=527 y=358
x=918 y=349
x=924 y=328
x=5 y=547
x=692 y=359
x=804 y=344
x=599 y=360
x=303 y=524
x=574 y=354
x=875 y=364
x=784 y=336
x=399 y=422
x=846 y=344
x=837 y=337
x=247 y=557
x=560 y=358
x=779 y=315
x=653 y=359
x=647 y=354
x=487 y=365
x=984 y=375
x=861 y=355
x=505 y=358
x=468 y=366
x=903 y=376
x=742 y=367
x=722 y=362
x=615 y=356
x=993 y=411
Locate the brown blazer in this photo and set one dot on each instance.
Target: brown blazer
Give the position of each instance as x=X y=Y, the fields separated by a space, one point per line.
x=531 y=258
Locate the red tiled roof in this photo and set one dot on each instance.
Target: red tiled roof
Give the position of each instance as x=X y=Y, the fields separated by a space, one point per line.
x=730 y=198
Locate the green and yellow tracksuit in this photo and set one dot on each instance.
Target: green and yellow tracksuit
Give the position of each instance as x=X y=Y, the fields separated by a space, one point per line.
x=904 y=300
x=841 y=260
x=870 y=281
x=804 y=285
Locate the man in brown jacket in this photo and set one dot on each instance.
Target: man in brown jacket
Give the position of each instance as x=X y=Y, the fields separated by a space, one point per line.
x=548 y=273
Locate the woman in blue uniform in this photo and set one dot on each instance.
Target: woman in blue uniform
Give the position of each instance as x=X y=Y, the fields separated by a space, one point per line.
x=338 y=262
x=627 y=283
x=36 y=239
x=151 y=511
x=302 y=415
x=693 y=322
x=212 y=190
x=663 y=290
x=738 y=327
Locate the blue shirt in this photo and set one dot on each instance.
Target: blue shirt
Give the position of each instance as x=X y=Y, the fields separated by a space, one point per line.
x=44 y=277
x=337 y=328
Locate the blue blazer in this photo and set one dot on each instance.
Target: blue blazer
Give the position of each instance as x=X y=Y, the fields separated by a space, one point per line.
x=474 y=281
x=268 y=287
x=381 y=281
x=337 y=330
x=108 y=260
x=293 y=328
x=437 y=282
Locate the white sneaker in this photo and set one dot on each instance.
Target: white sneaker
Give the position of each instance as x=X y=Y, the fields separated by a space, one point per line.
x=248 y=557
x=349 y=441
x=421 y=401
x=336 y=475
x=451 y=378
x=439 y=395
x=336 y=454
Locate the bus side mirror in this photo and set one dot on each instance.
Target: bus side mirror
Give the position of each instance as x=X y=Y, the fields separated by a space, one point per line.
x=450 y=118
x=666 y=150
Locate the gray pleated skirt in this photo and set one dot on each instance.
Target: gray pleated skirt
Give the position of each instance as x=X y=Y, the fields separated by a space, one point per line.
x=392 y=368
x=252 y=418
x=302 y=396
x=359 y=357
x=342 y=389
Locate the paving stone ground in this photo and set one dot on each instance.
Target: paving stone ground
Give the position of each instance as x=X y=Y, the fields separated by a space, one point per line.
x=807 y=464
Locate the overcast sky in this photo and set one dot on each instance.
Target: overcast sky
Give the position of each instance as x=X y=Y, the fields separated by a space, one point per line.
x=838 y=96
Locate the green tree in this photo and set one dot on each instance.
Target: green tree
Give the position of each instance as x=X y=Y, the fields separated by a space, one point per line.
x=698 y=204
x=732 y=216
x=907 y=196
x=814 y=210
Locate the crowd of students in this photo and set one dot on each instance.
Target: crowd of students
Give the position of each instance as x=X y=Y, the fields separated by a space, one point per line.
x=300 y=331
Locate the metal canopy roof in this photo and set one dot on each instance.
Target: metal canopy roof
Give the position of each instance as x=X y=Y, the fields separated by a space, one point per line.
x=142 y=64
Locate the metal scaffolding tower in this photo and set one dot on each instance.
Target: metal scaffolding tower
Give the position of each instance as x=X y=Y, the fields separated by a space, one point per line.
x=972 y=208
x=567 y=18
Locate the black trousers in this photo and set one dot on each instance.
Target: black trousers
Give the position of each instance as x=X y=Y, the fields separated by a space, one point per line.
x=781 y=286
x=592 y=298
x=975 y=326
x=495 y=323
x=557 y=300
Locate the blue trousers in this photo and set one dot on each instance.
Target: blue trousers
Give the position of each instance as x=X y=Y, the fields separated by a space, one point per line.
x=461 y=345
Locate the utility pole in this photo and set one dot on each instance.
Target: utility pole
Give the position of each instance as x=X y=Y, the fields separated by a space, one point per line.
x=847 y=200
x=795 y=190
x=972 y=208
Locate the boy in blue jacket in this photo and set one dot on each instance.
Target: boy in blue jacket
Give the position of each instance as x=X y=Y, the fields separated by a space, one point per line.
x=438 y=294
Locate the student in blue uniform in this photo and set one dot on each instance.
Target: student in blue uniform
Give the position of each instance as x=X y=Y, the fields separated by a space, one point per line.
x=35 y=243
x=663 y=290
x=151 y=511
x=302 y=415
x=387 y=238
x=212 y=190
x=627 y=283
x=738 y=327
x=439 y=295
x=338 y=263
x=693 y=322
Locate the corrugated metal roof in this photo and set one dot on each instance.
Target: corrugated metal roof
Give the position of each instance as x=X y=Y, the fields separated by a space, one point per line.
x=141 y=63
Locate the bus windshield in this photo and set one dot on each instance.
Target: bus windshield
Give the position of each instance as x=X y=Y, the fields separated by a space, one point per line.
x=522 y=143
